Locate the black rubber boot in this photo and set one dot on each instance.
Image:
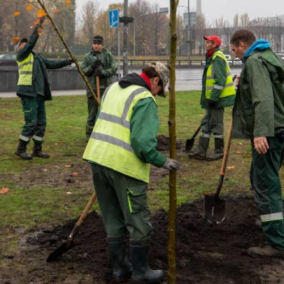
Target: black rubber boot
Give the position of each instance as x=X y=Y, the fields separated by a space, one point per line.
x=21 y=151
x=219 y=150
x=200 y=152
x=37 y=152
x=118 y=253
x=141 y=272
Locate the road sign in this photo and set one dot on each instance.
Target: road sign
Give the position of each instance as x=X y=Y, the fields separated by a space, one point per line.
x=113 y=18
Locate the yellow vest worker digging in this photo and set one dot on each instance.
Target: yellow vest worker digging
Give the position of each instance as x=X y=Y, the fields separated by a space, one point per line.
x=110 y=144
x=228 y=89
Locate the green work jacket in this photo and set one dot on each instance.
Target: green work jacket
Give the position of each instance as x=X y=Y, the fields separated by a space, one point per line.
x=259 y=105
x=109 y=69
x=40 y=81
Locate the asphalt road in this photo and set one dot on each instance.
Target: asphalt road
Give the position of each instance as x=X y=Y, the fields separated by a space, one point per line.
x=186 y=80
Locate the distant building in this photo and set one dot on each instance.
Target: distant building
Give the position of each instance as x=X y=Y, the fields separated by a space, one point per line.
x=198 y=8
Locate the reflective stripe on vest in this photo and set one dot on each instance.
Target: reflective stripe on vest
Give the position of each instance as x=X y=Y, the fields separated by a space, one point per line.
x=25 y=69
x=229 y=88
x=110 y=144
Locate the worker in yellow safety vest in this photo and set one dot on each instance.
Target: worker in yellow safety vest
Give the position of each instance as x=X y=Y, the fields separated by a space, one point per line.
x=121 y=148
x=218 y=91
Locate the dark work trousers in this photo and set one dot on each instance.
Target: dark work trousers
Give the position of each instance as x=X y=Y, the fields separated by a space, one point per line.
x=35 y=118
x=213 y=122
x=92 y=113
x=267 y=190
x=123 y=204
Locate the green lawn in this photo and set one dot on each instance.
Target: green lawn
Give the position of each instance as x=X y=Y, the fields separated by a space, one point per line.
x=38 y=192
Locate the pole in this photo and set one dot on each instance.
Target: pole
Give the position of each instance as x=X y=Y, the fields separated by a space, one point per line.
x=188 y=28
x=125 y=40
x=134 y=34
x=157 y=33
x=118 y=52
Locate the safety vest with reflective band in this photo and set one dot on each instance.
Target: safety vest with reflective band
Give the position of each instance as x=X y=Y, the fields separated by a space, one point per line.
x=25 y=68
x=229 y=88
x=110 y=144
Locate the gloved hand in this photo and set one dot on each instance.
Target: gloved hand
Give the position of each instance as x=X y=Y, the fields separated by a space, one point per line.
x=69 y=61
x=212 y=104
x=99 y=71
x=96 y=64
x=171 y=164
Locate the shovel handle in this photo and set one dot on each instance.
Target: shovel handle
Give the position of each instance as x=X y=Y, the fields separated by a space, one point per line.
x=196 y=132
x=98 y=88
x=227 y=150
x=87 y=209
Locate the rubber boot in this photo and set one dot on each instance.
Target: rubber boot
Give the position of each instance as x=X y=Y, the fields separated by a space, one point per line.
x=37 y=152
x=141 y=272
x=21 y=150
x=219 y=150
x=200 y=152
x=118 y=253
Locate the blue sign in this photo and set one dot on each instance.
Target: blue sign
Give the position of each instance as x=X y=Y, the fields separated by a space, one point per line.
x=113 y=18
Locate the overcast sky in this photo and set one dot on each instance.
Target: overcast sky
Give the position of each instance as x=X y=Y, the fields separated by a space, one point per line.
x=217 y=8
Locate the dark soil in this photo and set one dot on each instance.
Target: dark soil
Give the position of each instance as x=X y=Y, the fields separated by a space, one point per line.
x=206 y=253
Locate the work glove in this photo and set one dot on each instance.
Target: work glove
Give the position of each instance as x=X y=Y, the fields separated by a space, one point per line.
x=171 y=164
x=212 y=104
x=96 y=64
x=69 y=61
x=99 y=71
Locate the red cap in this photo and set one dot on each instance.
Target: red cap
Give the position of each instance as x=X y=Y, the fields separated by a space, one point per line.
x=214 y=39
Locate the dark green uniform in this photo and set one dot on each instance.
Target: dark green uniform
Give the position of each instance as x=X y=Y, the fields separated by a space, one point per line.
x=259 y=112
x=213 y=120
x=109 y=70
x=33 y=97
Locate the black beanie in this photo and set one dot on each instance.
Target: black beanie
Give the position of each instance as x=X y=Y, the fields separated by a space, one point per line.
x=98 y=39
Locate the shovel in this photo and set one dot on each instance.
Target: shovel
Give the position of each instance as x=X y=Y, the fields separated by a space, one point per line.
x=68 y=244
x=190 y=142
x=98 y=88
x=214 y=207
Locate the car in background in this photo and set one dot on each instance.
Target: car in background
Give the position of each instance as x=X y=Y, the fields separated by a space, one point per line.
x=281 y=56
x=8 y=60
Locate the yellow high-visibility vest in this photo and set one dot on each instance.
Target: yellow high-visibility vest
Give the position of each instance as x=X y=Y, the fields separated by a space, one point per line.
x=25 y=69
x=228 y=89
x=110 y=144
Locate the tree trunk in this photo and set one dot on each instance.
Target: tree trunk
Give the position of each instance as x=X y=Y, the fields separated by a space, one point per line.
x=172 y=134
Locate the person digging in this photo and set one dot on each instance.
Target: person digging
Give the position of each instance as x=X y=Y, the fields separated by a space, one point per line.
x=218 y=91
x=258 y=115
x=121 y=148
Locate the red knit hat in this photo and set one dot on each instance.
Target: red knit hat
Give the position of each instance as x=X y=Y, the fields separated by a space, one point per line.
x=214 y=39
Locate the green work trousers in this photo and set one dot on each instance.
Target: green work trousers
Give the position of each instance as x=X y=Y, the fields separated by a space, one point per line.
x=213 y=122
x=267 y=190
x=35 y=118
x=123 y=204
x=92 y=114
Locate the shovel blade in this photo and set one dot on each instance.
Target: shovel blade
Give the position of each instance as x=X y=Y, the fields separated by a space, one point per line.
x=67 y=245
x=188 y=145
x=214 y=209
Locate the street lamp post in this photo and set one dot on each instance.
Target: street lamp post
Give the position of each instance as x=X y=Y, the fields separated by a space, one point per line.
x=161 y=11
x=188 y=24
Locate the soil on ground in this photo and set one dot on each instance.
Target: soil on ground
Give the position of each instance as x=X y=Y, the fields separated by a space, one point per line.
x=206 y=253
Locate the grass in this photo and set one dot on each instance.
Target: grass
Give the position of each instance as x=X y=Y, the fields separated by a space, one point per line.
x=33 y=205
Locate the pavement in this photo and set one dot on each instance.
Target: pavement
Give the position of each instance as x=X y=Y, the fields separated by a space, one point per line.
x=186 y=80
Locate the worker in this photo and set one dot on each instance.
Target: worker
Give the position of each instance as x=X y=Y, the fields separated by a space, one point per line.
x=97 y=63
x=258 y=115
x=218 y=91
x=34 y=89
x=121 y=148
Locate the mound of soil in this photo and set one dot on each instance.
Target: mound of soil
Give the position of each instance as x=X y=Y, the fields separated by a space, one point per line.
x=206 y=253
